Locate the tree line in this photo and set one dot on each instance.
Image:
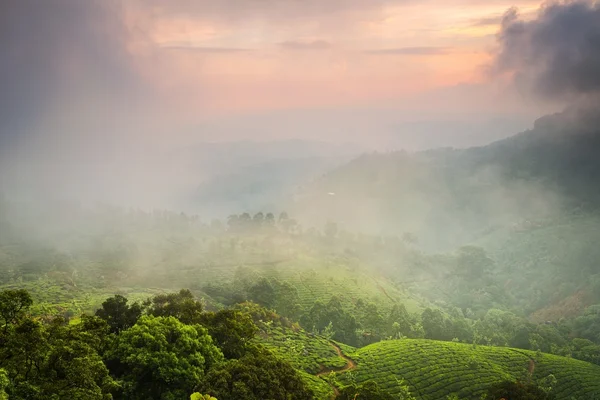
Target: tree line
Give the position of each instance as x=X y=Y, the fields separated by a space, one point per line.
x=167 y=347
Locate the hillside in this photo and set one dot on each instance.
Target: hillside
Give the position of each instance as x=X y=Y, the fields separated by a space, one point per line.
x=431 y=369
x=559 y=259
x=530 y=201
x=434 y=370
x=448 y=197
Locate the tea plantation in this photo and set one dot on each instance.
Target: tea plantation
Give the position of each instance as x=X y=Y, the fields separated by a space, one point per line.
x=434 y=370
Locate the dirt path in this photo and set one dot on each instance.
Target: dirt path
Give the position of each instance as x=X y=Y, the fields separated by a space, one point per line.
x=381 y=289
x=350 y=365
x=530 y=364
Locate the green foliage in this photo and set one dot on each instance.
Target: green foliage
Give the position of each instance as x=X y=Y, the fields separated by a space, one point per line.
x=162 y=358
x=342 y=322
x=436 y=369
x=435 y=325
x=53 y=361
x=231 y=330
x=472 y=263
x=4 y=382
x=401 y=323
x=13 y=303
x=118 y=314
x=305 y=351
x=258 y=375
x=198 y=396
x=366 y=391
x=587 y=325
x=353 y=288
x=182 y=306
x=517 y=391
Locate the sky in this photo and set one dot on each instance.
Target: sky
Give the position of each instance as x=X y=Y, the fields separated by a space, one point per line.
x=264 y=58
x=183 y=65
x=105 y=83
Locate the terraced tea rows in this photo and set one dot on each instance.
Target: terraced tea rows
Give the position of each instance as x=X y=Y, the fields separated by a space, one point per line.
x=321 y=279
x=434 y=370
x=310 y=353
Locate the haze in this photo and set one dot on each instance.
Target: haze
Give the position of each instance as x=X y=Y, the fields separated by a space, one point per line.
x=100 y=99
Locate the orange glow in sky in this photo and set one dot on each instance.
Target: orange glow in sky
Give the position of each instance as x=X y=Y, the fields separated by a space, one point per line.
x=223 y=57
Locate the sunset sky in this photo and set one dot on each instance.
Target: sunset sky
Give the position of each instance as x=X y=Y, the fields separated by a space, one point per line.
x=229 y=56
x=105 y=88
x=182 y=71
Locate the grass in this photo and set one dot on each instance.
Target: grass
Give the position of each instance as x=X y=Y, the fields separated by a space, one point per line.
x=556 y=258
x=51 y=298
x=434 y=370
x=321 y=278
x=307 y=352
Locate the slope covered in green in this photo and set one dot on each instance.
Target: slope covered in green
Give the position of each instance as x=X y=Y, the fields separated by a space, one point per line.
x=553 y=260
x=434 y=369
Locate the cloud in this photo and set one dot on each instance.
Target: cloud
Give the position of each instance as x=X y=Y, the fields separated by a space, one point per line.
x=412 y=51
x=56 y=49
x=487 y=21
x=71 y=99
x=204 y=49
x=311 y=45
x=264 y=9
x=555 y=56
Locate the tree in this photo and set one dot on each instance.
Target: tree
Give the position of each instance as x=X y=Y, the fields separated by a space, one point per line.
x=231 y=331
x=270 y=220
x=258 y=219
x=587 y=325
x=517 y=391
x=245 y=221
x=162 y=358
x=366 y=391
x=434 y=325
x=287 y=299
x=118 y=314
x=181 y=305
x=473 y=263
x=53 y=361
x=4 y=382
x=198 y=396
x=258 y=375
x=262 y=292
x=328 y=332
x=343 y=323
x=400 y=321
x=13 y=304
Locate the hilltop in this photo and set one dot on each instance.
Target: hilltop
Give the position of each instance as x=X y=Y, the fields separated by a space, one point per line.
x=448 y=197
x=434 y=370
x=431 y=369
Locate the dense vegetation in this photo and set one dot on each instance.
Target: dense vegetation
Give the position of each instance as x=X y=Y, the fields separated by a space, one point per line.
x=168 y=348
x=434 y=369
x=507 y=306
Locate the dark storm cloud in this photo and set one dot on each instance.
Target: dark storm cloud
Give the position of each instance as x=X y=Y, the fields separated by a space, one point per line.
x=53 y=49
x=556 y=55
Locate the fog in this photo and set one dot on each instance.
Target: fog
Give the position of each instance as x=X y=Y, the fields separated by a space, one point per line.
x=97 y=105
x=103 y=102
x=395 y=198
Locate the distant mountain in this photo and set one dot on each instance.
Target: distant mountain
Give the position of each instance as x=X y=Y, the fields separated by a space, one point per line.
x=257 y=176
x=451 y=196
